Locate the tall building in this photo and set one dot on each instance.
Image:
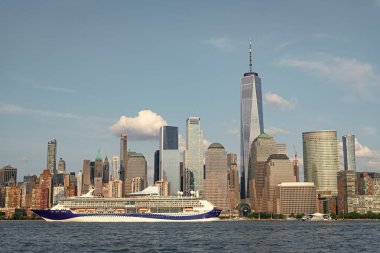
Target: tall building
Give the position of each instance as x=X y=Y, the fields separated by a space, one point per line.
x=98 y=175
x=296 y=168
x=233 y=186
x=231 y=159
x=216 y=181
x=123 y=157
x=348 y=141
x=52 y=156
x=321 y=160
x=46 y=186
x=278 y=169
x=61 y=166
x=156 y=172
x=346 y=189
x=8 y=176
x=193 y=157
x=115 y=174
x=170 y=158
x=251 y=116
x=79 y=183
x=262 y=148
x=137 y=167
x=86 y=176
x=106 y=171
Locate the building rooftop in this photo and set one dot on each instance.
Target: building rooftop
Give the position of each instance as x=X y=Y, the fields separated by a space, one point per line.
x=216 y=145
x=135 y=154
x=278 y=157
x=297 y=184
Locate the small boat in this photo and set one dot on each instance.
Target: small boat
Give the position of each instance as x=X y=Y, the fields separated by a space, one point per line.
x=316 y=217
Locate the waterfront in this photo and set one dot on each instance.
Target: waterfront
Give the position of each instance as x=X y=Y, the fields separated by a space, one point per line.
x=225 y=236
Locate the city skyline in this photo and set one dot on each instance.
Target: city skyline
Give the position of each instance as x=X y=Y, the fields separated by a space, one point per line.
x=59 y=57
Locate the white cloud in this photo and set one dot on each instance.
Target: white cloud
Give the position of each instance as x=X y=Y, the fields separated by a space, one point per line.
x=275 y=131
x=221 y=43
x=24 y=159
x=181 y=143
x=370 y=130
x=357 y=79
x=206 y=144
x=144 y=126
x=274 y=99
x=364 y=151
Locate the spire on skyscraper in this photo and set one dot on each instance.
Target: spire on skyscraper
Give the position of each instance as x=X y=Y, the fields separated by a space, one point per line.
x=250 y=56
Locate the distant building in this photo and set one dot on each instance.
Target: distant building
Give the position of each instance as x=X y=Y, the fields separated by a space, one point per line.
x=86 y=176
x=296 y=198
x=137 y=167
x=79 y=183
x=346 y=188
x=364 y=203
x=58 y=194
x=46 y=187
x=216 y=181
x=296 y=168
x=12 y=197
x=138 y=184
x=348 y=141
x=115 y=175
x=163 y=186
x=368 y=183
x=52 y=156
x=106 y=171
x=170 y=158
x=123 y=160
x=8 y=176
x=115 y=189
x=61 y=166
x=252 y=120
x=231 y=159
x=233 y=185
x=321 y=160
x=156 y=170
x=278 y=169
x=98 y=175
x=193 y=157
x=261 y=149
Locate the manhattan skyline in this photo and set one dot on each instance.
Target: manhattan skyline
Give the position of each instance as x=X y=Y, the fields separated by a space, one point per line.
x=81 y=72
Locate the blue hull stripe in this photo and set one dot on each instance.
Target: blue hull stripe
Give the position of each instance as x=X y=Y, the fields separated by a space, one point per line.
x=68 y=214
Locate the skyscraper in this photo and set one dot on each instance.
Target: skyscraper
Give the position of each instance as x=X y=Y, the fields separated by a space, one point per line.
x=106 y=170
x=137 y=168
x=115 y=175
x=86 y=176
x=262 y=148
x=321 y=160
x=252 y=124
x=156 y=172
x=216 y=181
x=193 y=156
x=61 y=166
x=123 y=158
x=98 y=175
x=349 y=152
x=52 y=156
x=170 y=158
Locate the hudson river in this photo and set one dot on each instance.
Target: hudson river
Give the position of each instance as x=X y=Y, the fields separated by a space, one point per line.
x=224 y=236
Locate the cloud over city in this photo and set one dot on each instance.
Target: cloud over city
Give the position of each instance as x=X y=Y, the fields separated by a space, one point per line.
x=357 y=79
x=274 y=99
x=275 y=131
x=144 y=126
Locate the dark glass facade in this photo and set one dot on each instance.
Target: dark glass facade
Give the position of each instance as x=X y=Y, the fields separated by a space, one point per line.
x=170 y=137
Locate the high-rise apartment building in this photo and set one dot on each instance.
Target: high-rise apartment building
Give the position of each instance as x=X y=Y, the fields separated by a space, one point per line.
x=123 y=158
x=252 y=122
x=261 y=149
x=193 y=157
x=216 y=181
x=321 y=160
x=346 y=188
x=61 y=166
x=170 y=158
x=52 y=156
x=348 y=141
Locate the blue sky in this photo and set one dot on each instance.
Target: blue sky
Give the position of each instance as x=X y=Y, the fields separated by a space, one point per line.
x=79 y=71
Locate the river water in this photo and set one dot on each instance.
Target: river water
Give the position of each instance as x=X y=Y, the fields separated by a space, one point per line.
x=223 y=236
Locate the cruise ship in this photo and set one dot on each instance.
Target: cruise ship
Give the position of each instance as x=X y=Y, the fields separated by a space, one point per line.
x=144 y=206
